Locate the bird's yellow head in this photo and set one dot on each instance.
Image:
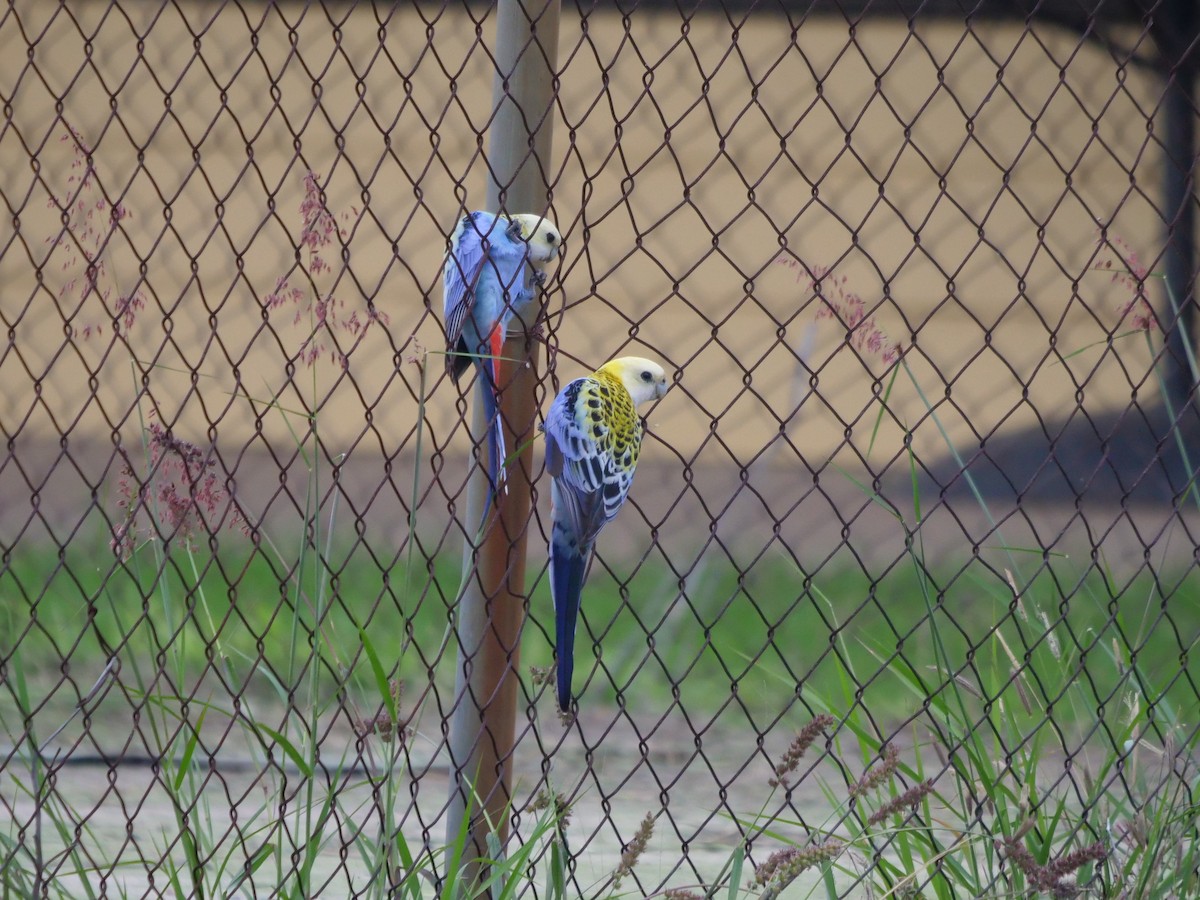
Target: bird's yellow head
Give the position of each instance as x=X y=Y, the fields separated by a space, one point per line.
x=643 y=378
x=540 y=234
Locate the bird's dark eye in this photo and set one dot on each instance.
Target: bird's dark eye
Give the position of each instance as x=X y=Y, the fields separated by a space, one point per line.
x=551 y=237
x=647 y=377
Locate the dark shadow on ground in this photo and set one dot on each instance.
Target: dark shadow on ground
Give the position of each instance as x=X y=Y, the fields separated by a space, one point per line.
x=1138 y=455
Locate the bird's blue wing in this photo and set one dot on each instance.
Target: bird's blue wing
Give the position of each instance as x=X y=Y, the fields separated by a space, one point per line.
x=578 y=460
x=461 y=272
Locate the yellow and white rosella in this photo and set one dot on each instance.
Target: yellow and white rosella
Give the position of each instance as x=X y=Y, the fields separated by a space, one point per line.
x=593 y=438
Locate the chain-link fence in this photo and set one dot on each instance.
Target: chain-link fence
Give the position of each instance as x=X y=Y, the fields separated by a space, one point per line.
x=904 y=601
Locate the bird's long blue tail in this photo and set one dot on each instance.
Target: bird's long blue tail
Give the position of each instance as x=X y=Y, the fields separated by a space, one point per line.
x=567 y=569
x=495 y=435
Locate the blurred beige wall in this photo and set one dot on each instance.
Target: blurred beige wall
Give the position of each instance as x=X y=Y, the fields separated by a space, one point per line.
x=956 y=181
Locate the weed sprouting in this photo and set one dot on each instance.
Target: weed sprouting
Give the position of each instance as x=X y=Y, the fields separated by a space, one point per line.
x=907 y=801
x=386 y=723
x=874 y=777
x=633 y=850
x=1050 y=877
x=312 y=291
x=784 y=866
x=837 y=302
x=182 y=485
x=799 y=746
x=91 y=224
x=1118 y=258
x=555 y=803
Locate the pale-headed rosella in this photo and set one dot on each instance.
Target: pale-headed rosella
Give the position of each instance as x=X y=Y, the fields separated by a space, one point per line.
x=593 y=438
x=485 y=280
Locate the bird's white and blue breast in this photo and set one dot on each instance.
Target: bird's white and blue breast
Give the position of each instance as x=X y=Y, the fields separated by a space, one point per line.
x=483 y=265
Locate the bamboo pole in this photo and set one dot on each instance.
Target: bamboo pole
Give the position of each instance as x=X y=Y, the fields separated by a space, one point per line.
x=492 y=601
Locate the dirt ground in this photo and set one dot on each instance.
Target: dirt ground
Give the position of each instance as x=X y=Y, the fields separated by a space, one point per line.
x=614 y=784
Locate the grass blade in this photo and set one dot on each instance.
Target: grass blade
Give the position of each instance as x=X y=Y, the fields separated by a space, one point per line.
x=288 y=748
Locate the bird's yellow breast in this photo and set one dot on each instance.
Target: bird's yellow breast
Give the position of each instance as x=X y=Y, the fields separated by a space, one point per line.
x=612 y=418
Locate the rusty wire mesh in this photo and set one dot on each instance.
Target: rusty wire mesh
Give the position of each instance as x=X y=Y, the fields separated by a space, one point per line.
x=903 y=271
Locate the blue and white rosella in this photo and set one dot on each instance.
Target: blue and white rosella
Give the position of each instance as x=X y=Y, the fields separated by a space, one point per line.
x=484 y=280
x=593 y=437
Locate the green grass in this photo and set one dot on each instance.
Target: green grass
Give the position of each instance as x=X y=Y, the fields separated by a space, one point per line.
x=763 y=634
x=244 y=607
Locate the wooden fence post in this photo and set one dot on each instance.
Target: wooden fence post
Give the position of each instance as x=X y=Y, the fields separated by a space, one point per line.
x=492 y=600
